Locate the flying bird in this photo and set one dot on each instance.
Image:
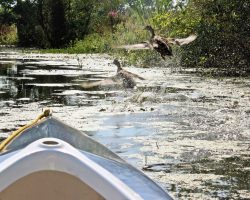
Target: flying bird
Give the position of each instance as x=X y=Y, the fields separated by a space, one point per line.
x=158 y=43
x=122 y=78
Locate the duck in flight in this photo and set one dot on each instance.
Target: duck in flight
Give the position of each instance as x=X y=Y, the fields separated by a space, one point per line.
x=160 y=44
x=122 y=78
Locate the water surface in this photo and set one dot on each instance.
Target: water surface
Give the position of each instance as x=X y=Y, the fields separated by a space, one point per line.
x=191 y=133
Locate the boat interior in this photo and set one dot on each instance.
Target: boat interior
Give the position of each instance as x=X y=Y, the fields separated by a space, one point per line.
x=49 y=185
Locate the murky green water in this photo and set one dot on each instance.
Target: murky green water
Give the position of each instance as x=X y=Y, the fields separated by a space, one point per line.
x=192 y=133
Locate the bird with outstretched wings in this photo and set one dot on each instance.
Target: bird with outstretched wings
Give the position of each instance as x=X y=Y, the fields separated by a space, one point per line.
x=158 y=43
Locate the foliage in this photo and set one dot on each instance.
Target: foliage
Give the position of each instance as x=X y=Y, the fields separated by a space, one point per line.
x=223 y=36
x=131 y=32
x=163 y=15
x=54 y=25
x=51 y=23
x=176 y=23
x=8 y=35
x=7 y=16
x=26 y=21
x=78 y=17
x=222 y=26
x=181 y=22
x=102 y=20
x=93 y=43
x=148 y=8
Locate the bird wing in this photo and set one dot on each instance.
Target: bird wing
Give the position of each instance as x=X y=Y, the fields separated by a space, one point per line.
x=182 y=41
x=106 y=82
x=144 y=45
x=135 y=75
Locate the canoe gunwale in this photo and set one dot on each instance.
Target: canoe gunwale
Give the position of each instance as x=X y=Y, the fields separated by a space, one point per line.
x=53 y=127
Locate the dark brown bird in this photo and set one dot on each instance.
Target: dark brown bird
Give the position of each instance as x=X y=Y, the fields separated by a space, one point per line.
x=123 y=78
x=126 y=76
x=160 y=44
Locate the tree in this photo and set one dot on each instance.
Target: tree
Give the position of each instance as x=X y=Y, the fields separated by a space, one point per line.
x=7 y=17
x=26 y=21
x=224 y=35
x=52 y=19
x=79 y=17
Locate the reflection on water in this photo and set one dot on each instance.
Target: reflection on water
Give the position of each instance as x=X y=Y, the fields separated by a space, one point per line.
x=22 y=83
x=189 y=134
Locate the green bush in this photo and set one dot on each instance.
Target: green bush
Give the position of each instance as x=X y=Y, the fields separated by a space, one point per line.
x=93 y=43
x=8 y=35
